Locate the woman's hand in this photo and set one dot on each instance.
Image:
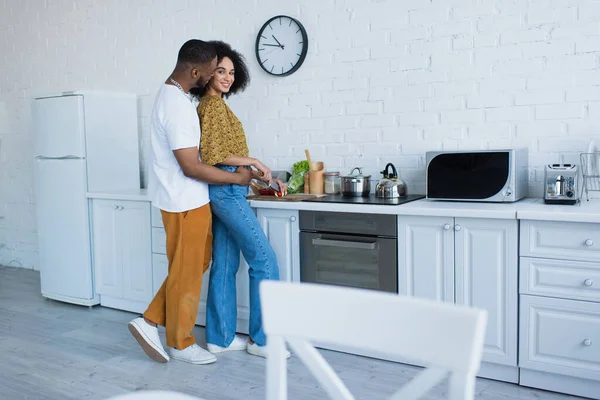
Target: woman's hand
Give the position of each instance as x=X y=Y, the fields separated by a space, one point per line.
x=264 y=172
x=282 y=186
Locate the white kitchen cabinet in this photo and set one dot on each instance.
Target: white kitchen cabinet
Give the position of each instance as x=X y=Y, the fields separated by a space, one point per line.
x=486 y=268
x=560 y=345
x=283 y=232
x=122 y=253
x=426 y=257
x=468 y=261
x=559 y=328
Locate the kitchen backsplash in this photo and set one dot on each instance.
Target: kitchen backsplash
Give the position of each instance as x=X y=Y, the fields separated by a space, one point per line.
x=384 y=81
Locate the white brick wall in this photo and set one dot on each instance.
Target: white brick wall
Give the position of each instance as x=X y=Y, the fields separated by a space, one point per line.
x=384 y=80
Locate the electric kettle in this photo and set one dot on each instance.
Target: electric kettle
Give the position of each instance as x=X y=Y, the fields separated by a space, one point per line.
x=390 y=186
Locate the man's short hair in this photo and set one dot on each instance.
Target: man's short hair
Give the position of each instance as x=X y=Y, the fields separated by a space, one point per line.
x=196 y=52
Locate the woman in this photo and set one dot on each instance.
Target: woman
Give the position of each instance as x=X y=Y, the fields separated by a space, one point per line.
x=235 y=227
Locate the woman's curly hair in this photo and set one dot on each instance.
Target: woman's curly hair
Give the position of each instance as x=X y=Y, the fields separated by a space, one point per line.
x=242 y=76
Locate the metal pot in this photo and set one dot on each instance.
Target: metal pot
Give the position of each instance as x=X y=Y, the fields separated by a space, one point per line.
x=390 y=186
x=356 y=185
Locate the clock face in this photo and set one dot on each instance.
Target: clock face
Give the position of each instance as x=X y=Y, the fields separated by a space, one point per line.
x=281 y=45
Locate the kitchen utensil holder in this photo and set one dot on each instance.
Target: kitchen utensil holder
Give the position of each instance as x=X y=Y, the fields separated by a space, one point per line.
x=590 y=171
x=315 y=178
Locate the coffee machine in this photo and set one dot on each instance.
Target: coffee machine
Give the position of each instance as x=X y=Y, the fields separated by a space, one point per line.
x=560 y=182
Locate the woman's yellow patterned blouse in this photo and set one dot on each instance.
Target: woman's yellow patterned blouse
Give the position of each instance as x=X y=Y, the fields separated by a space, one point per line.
x=222 y=132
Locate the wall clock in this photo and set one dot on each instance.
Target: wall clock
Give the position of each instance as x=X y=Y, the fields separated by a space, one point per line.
x=281 y=45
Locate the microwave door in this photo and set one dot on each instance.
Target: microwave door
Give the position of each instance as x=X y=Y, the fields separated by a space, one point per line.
x=469 y=176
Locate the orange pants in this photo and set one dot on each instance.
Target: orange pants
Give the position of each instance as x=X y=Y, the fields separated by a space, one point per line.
x=189 y=242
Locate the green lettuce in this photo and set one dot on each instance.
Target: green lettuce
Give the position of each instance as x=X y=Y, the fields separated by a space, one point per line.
x=300 y=168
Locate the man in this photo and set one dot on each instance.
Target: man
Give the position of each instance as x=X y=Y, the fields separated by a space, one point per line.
x=179 y=185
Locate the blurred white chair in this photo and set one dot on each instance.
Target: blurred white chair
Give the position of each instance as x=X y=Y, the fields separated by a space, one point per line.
x=446 y=338
x=154 y=395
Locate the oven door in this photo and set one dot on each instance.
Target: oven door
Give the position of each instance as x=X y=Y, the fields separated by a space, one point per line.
x=349 y=260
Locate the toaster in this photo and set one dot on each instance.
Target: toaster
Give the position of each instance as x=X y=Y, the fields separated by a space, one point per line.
x=560 y=182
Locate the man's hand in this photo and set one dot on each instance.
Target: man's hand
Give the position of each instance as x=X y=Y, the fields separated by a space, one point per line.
x=245 y=175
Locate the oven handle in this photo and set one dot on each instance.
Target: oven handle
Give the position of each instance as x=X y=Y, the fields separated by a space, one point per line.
x=343 y=243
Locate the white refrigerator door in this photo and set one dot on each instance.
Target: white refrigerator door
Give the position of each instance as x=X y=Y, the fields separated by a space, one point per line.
x=59 y=127
x=63 y=229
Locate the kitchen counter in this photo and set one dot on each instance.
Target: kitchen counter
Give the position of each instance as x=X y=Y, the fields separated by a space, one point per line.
x=585 y=211
x=131 y=195
x=435 y=208
x=421 y=207
x=528 y=208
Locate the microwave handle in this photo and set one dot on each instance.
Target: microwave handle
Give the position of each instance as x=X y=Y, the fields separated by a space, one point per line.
x=343 y=243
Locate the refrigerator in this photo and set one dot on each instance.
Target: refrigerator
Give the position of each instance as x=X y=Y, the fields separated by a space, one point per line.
x=84 y=142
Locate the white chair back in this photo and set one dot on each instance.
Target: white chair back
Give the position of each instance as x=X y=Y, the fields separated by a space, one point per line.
x=446 y=338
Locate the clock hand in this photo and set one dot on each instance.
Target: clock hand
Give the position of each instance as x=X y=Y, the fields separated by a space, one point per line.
x=274 y=45
x=280 y=45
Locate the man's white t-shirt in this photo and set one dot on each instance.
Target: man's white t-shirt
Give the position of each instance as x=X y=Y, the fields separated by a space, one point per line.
x=174 y=124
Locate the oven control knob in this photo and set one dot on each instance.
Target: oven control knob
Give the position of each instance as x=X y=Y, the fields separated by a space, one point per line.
x=293 y=219
x=570 y=193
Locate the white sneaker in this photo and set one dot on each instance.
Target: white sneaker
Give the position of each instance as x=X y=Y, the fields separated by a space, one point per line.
x=261 y=351
x=193 y=354
x=147 y=336
x=238 y=343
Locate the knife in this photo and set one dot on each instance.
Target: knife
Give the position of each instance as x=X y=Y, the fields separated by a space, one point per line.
x=275 y=186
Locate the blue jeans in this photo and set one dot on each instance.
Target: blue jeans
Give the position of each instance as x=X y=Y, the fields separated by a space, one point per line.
x=235 y=228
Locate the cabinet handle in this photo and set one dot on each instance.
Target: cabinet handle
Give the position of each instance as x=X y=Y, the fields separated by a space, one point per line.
x=587 y=342
x=293 y=219
x=589 y=242
x=116 y=207
x=447 y=227
x=457 y=228
x=588 y=282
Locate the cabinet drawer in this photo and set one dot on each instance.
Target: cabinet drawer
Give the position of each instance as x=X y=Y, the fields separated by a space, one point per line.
x=565 y=279
x=156 y=218
x=563 y=240
x=159 y=241
x=560 y=336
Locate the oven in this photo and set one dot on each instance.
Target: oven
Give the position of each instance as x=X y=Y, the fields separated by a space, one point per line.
x=349 y=249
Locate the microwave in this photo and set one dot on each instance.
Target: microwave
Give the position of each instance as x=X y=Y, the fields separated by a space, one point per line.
x=477 y=175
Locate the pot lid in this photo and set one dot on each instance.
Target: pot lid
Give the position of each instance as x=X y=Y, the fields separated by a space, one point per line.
x=359 y=175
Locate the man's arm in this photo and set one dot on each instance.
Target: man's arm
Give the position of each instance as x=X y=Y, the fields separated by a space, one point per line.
x=265 y=172
x=192 y=167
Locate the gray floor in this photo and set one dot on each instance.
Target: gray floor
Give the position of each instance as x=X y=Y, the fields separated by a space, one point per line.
x=52 y=350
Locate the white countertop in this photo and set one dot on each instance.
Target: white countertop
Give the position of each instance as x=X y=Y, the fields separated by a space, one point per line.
x=585 y=211
x=436 y=208
x=528 y=208
x=131 y=195
x=421 y=207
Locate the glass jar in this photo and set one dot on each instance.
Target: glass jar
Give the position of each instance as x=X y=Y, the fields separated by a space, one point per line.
x=332 y=182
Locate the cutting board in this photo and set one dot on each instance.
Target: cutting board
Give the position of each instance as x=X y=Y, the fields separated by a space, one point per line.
x=287 y=197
